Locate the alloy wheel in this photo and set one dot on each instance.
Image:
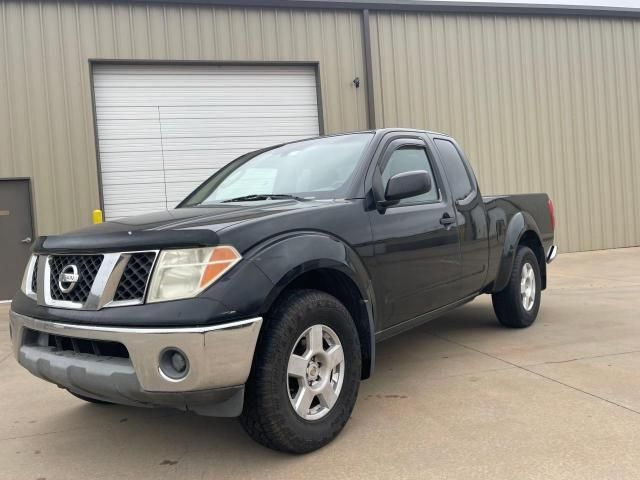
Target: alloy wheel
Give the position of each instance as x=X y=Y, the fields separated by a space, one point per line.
x=528 y=286
x=315 y=372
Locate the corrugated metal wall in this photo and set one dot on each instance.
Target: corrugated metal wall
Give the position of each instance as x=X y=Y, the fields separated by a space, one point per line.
x=46 y=119
x=539 y=104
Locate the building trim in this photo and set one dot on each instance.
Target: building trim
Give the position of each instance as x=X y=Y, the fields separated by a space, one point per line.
x=429 y=6
x=368 y=67
x=96 y=140
x=316 y=65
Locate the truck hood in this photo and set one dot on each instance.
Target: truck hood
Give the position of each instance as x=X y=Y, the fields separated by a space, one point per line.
x=182 y=227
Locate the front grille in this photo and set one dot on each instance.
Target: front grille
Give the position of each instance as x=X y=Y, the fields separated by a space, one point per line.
x=34 y=277
x=87 y=265
x=133 y=282
x=60 y=343
x=71 y=279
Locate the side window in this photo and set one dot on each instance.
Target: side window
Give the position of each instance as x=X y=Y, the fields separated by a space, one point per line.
x=454 y=169
x=407 y=159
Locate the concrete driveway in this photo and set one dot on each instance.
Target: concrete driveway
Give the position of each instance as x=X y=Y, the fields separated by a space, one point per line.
x=461 y=397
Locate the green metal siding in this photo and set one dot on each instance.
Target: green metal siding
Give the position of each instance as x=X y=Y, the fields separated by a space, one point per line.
x=46 y=118
x=538 y=103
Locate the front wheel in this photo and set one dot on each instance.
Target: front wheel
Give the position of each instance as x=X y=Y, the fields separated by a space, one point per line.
x=305 y=375
x=517 y=304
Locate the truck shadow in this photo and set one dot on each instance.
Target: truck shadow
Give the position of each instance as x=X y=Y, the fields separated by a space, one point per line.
x=171 y=441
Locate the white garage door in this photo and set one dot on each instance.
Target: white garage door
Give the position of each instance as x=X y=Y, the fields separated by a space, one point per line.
x=162 y=130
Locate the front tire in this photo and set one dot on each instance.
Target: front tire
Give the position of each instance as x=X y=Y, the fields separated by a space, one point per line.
x=305 y=375
x=517 y=305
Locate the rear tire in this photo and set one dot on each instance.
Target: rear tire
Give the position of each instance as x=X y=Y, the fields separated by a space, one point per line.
x=305 y=375
x=517 y=305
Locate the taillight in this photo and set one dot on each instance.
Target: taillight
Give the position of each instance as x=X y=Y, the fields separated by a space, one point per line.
x=552 y=215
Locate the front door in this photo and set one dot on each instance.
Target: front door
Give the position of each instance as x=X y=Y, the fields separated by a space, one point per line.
x=17 y=233
x=416 y=247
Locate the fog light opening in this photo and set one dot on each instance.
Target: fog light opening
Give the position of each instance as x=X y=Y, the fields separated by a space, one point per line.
x=174 y=364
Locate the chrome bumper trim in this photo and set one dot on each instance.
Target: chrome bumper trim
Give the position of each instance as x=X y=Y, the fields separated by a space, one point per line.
x=551 y=254
x=219 y=355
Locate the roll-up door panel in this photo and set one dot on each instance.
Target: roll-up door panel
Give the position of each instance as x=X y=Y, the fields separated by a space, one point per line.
x=162 y=130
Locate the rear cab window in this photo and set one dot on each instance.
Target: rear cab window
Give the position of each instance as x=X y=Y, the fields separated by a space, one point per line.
x=455 y=170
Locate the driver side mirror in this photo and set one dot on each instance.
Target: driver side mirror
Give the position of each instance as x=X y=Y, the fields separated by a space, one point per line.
x=405 y=185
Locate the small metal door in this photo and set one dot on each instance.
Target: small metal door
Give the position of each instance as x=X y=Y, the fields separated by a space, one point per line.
x=16 y=233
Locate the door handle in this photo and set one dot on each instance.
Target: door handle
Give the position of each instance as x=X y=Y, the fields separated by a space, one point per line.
x=446 y=220
x=26 y=240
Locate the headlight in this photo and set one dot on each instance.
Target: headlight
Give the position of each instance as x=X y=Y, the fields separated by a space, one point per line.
x=185 y=273
x=25 y=286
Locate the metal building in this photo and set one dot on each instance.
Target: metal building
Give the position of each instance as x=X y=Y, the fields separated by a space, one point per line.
x=127 y=105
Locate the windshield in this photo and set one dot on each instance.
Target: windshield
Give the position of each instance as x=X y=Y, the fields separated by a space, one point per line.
x=316 y=168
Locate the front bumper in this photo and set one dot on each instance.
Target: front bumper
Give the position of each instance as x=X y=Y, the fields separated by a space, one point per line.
x=219 y=359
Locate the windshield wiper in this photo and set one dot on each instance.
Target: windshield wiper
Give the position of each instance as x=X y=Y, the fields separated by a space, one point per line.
x=258 y=197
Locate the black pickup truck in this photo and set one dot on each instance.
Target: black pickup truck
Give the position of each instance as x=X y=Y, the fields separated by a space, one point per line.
x=263 y=294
